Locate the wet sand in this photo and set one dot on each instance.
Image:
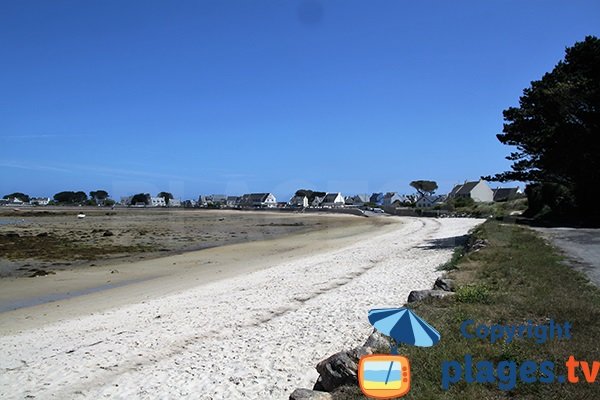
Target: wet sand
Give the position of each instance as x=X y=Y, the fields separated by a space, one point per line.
x=38 y=241
x=29 y=302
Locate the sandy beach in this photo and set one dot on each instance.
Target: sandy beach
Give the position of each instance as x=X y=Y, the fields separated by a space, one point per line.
x=246 y=320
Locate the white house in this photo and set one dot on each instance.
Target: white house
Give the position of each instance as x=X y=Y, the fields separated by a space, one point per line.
x=299 y=201
x=39 y=201
x=174 y=203
x=357 y=200
x=391 y=197
x=258 y=200
x=157 y=202
x=232 y=201
x=479 y=191
x=317 y=201
x=430 y=201
x=333 y=200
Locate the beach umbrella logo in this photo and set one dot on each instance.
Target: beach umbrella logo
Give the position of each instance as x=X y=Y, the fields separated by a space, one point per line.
x=385 y=376
x=404 y=326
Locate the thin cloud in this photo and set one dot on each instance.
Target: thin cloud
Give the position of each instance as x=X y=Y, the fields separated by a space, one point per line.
x=32 y=167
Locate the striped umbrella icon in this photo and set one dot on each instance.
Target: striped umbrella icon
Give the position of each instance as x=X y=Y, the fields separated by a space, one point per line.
x=404 y=326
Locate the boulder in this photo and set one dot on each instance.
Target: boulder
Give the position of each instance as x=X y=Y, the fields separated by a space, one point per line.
x=307 y=394
x=378 y=341
x=478 y=245
x=338 y=370
x=445 y=284
x=319 y=385
x=418 y=295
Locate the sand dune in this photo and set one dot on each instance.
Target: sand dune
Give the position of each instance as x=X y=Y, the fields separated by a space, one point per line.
x=257 y=335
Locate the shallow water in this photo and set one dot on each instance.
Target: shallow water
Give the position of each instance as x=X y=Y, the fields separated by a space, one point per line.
x=11 y=221
x=36 y=300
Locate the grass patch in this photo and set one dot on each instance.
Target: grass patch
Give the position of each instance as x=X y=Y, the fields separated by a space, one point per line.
x=516 y=278
x=458 y=253
x=473 y=294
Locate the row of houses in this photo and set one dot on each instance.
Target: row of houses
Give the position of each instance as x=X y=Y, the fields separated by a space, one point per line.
x=478 y=191
x=37 y=201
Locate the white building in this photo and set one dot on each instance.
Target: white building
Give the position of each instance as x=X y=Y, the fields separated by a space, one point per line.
x=157 y=202
x=391 y=197
x=333 y=200
x=479 y=191
x=430 y=201
x=174 y=203
x=40 y=201
x=258 y=200
x=299 y=201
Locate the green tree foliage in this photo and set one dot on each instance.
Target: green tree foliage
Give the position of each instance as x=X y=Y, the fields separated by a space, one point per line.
x=310 y=194
x=99 y=195
x=166 y=195
x=17 y=195
x=424 y=187
x=69 y=197
x=556 y=131
x=140 y=198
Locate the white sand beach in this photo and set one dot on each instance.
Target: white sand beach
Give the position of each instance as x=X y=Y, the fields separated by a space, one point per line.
x=256 y=334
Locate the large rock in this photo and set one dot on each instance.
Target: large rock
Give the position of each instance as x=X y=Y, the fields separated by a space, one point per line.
x=419 y=295
x=307 y=394
x=445 y=284
x=377 y=341
x=341 y=368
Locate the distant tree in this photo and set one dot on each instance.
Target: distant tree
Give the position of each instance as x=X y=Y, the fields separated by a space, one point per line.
x=140 y=198
x=69 y=197
x=166 y=195
x=556 y=131
x=424 y=187
x=18 y=195
x=309 y=194
x=99 y=195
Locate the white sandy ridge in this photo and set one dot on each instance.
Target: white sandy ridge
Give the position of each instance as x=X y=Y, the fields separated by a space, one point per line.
x=256 y=336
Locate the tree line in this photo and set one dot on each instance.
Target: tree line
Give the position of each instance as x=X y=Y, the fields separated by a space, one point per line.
x=556 y=134
x=95 y=197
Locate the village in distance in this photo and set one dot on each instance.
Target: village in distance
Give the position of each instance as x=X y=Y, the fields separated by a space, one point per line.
x=471 y=198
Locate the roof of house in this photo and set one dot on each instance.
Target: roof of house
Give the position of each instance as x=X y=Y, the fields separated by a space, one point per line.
x=465 y=188
x=297 y=198
x=375 y=197
x=255 y=197
x=362 y=197
x=330 y=197
x=389 y=195
x=504 y=193
x=432 y=198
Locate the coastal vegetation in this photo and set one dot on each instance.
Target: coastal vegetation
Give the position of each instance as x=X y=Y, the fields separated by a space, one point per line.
x=556 y=132
x=515 y=278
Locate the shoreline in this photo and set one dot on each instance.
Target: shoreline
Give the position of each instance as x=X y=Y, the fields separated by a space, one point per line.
x=73 y=292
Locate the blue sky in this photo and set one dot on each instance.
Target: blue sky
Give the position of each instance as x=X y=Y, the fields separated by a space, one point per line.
x=236 y=96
